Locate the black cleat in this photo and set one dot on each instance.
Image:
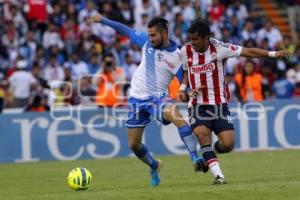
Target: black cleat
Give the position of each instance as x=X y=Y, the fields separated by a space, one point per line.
x=198 y=164
x=205 y=168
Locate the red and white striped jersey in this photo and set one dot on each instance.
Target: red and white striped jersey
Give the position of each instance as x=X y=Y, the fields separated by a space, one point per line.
x=206 y=71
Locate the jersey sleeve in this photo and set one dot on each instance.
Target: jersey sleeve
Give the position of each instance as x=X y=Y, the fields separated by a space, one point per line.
x=227 y=50
x=183 y=58
x=138 y=38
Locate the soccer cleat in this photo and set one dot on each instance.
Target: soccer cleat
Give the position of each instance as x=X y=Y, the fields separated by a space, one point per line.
x=205 y=168
x=219 y=180
x=155 y=179
x=198 y=164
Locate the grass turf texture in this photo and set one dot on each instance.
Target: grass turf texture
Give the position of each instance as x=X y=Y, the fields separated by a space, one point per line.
x=252 y=175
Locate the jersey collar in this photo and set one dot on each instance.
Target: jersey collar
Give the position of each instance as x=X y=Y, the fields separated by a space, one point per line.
x=172 y=47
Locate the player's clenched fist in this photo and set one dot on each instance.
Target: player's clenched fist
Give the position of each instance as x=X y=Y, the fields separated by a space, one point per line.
x=95 y=18
x=282 y=54
x=183 y=96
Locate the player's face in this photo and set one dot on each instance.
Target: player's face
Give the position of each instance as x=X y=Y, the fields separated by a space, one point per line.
x=199 y=44
x=156 y=37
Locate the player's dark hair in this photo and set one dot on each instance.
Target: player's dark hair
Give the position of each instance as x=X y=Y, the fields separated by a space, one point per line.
x=159 y=22
x=200 y=27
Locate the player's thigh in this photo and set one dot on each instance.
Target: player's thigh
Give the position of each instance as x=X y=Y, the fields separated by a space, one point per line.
x=203 y=133
x=222 y=125
x=172 y=114
x=135 y=136
x=227 y=139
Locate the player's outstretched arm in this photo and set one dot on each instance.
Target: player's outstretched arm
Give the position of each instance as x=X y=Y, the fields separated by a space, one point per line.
x=119 y=27
x=137 y=38
x=260 y=53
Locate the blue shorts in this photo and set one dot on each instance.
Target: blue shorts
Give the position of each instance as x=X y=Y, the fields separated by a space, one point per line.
x=139 y=111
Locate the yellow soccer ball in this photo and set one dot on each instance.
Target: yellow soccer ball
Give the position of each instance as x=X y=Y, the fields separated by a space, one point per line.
x=80 y=178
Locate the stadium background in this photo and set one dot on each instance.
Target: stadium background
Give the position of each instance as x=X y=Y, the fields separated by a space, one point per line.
x=52 y=42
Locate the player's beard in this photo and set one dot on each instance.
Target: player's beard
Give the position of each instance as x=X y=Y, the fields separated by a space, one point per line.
x=159 y=44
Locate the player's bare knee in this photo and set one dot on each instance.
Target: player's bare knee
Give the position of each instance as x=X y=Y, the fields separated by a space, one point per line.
x=228 y=147
x=134 y=145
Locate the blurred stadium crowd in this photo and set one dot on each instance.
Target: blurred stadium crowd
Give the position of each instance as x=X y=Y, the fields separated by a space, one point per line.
x=46 y=41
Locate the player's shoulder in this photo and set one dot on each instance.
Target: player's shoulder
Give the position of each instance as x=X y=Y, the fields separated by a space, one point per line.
x=185 y=46
x=222 y=46
x=218 y=43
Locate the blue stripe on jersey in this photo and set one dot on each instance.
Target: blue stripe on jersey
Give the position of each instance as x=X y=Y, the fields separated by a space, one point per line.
x=150 y=69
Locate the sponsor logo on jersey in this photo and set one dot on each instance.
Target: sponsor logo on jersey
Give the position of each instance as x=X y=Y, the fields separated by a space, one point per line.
x=159 y=57
x=202 y=68
x=233 y=47
x=168 y=63
x=214 y=56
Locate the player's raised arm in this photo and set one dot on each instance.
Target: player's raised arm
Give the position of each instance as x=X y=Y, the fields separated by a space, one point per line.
x=138 y=38
x=260 y=53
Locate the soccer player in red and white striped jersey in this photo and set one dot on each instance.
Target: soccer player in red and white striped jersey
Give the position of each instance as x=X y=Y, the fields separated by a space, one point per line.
x=204 y=61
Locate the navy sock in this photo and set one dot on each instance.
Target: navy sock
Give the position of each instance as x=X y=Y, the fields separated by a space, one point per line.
x=208 y=154
x=144 y=155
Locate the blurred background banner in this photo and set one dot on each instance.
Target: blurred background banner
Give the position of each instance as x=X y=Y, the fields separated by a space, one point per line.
x=98 y=133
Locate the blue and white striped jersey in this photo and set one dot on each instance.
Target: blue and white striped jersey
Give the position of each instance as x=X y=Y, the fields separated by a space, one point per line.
x=158 y=66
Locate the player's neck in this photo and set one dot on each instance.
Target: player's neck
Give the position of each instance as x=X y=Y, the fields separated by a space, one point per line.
x=166 y=44
x=202 y=50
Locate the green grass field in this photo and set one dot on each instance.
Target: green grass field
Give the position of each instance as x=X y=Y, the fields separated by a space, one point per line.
x=254 y=175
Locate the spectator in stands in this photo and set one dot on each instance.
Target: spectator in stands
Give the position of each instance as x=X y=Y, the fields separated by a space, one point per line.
x=53 y=71
x=13 y=13
x=52 y=37
x=249 y=84
x=141 y=26
x=31 y=44
x=87 y=91
x=89 y=10
x=129 y=66
x=37 y=74
x=78 y=66
x=164 y=12
x=37 y=11
x=40 y=56
x=57 y=16
x=37 y=103
x=237 y=9
x=94 y=65
x=216 y=11
x=185 y=8
x=270 y=33
x=248 y=33
x=21 y=84
x=71 y=12
x=110 y=81
x=126 y=12
x=149 y=7
x=180 y=29
x=282 y=88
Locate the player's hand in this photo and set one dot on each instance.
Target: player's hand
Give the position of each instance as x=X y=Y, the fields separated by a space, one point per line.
x=95 y=18
x=282 y=54
x=183 y=96
x=195 y=92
